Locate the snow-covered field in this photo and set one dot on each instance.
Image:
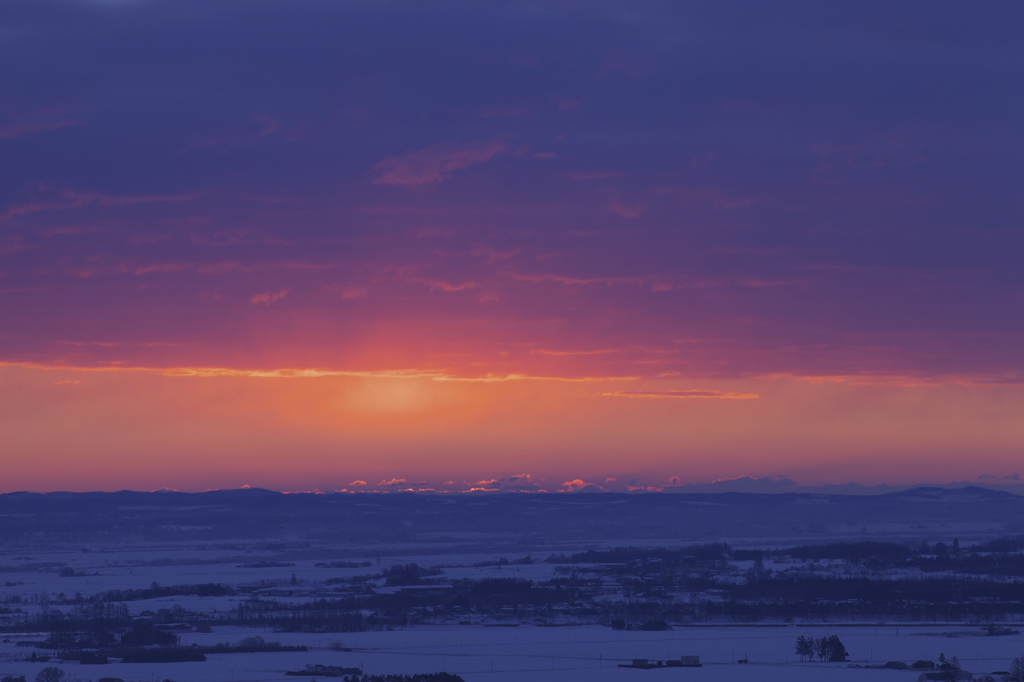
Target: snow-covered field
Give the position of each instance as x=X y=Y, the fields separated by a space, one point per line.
x=485 y=635
x=591 y=653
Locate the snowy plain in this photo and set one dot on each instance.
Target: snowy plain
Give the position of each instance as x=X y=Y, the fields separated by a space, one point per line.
x=499 y=654
x=299 y=567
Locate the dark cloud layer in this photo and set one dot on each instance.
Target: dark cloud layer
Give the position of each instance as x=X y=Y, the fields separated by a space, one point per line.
x=701 y=188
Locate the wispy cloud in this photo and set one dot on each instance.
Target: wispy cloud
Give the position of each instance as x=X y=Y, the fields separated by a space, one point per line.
x=162 y=268
x=440 y=285
x=268 y=297
x=20 y=125
x=312 y=373
x=516 y=483
x=624 y=210
x=70 y=199
x=1014 y=378
x=433 y=164
x=564 y=279
x=214 y=268
x=599 y=351
x=348 y=291
x=689 y=394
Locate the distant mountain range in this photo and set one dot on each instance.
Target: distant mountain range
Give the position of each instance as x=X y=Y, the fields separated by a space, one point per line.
x=519 y=520
x=776 y=484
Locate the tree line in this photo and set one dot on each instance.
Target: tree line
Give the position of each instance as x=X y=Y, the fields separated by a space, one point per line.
x=829 y=649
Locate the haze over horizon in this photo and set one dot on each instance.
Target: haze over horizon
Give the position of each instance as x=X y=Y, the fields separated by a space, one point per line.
x=522 y=244
x=526 y=484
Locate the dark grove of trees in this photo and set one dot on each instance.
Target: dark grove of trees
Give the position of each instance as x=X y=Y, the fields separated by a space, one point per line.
x=824 y=648
x=627 y=588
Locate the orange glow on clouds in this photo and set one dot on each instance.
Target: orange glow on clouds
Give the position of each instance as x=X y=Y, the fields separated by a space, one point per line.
x=193 y=429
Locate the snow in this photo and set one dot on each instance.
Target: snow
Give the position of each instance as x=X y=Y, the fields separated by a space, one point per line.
x=592 y=653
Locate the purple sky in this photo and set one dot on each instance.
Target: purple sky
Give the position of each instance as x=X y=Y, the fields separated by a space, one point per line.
x=666 y=191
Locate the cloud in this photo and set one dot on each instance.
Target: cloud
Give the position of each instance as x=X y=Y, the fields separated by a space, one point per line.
x=515 y=483
x=21 y=129
x=695 y=393
x=354 y=292
x=348 y=291
x=439 y=285
x=1005 y=477
x=432 y=165
x=624 y=210
x=569 y=281
x=268 y=297
x=307 y=373
x=69 y=198
x=162 y=268
x=600 y=351
x=578 y=485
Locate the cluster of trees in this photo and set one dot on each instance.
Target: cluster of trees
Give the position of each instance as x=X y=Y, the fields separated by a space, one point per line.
x=325 y=615
x=155 y=591
x=1000 y=556
x=97 y=629
x=698 y=555
x=87 y=624
x=408 y=574
x=649 y=580
x=824 y=648
x=648 y=591
x=647 y=625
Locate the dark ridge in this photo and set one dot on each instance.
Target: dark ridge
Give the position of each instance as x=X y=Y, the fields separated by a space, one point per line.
x=260 y=514
x=952 y=494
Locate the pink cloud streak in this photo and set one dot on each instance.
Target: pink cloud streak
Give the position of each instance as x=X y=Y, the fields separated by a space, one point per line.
x=431 y=165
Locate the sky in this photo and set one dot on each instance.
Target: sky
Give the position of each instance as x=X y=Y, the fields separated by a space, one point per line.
x=516 y=245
